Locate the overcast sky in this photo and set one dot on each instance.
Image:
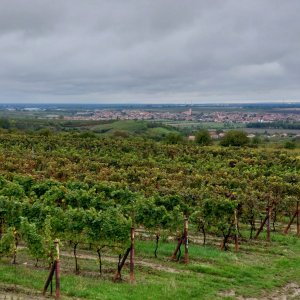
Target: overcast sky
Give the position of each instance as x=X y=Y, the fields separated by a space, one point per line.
x=155 y=51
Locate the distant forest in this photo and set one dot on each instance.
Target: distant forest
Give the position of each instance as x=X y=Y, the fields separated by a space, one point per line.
x=275 y=125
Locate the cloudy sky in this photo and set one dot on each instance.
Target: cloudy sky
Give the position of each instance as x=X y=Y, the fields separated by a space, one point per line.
x=170 y=51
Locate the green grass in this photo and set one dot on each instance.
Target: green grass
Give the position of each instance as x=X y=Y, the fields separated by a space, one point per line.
x=158 y=131
x=129 y=125
x=256 y=269
x=132 y=127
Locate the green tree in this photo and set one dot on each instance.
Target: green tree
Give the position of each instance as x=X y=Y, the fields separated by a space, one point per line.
x=235 y=138
x=203 y=137
x=5 y=123
x=174 y=138
x=289 y=145
x=256 y=140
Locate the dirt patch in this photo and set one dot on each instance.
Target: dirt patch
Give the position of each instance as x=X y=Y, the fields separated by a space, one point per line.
x=12 y=292
x=142 y=263
x=289 y=292
x=15 y=292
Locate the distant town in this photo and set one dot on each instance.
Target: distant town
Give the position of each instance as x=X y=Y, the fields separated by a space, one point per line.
x=188 y=115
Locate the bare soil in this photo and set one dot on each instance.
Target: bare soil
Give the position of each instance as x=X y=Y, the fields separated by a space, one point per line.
x=289 y=292
x=142 y=263
x=15 y=292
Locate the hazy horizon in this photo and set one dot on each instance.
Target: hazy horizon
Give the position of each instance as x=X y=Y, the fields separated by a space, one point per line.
x=189 y=104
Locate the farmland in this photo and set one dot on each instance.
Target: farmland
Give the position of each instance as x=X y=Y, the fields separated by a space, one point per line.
x=88 y=191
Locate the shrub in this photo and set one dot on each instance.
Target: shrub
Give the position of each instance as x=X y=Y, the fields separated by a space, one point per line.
x=235 y=138
x=289 y=145
x=203 y=138
x=174 y=138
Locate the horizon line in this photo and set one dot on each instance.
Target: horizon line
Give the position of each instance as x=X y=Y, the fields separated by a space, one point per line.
x=286 y=102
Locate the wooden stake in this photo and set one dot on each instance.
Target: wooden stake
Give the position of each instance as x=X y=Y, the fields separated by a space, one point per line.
x=269 y=224
x=49 y=279
x=121 y=264
x=156 y=245
x=268 y=214
x=174 y=255
x=54 y=268
x=57 y=271
x=236 y=236
x=15 y=233
x=186 y=241
x=261 y=227
x=290 y=223
x=132 y=256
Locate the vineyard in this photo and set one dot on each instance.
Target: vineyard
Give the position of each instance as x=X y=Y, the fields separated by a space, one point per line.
x=210 y=222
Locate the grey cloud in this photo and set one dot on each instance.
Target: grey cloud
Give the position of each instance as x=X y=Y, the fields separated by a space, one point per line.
x=137 y=50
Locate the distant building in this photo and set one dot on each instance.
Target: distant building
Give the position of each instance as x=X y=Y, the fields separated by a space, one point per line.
x=213 y=134
x=188 y=112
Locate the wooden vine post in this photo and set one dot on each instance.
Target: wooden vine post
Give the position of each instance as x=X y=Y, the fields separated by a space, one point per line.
x=156 y=244
x=267 y=220
x=132 y=255
x=269 y=223
x=16 y=241
x=174 y=255
x=297 y=216
x=57 y=271
x=183 y=240
x=122 y=260
x=55 y=268
x=236 y=236
x=121 y=263
x=186 y=240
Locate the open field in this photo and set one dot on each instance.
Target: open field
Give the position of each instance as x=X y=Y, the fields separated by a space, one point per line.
x=272 y=131
x=202 y=125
